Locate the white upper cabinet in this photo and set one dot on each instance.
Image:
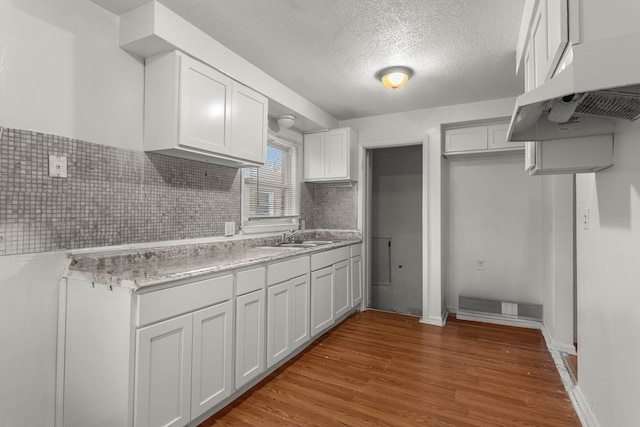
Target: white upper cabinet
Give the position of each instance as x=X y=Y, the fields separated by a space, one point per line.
x=331 y=156
x=544 y=39
x=483 y=139
x=195 y=112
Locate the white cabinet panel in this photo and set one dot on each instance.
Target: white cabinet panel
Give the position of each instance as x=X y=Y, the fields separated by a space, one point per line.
x=336 y=154
x=322 y=300
x=356 y=280
x=466 y=139
x=163 y=373
x=250 y=336
x=313 y=156
x=342 y=291
x=212 y=357
x=301 y=303
x=279 y=322
x=497 y=134
x=205 y=97
x=249 y=124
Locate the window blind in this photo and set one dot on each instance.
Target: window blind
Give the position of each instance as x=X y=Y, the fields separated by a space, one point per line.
x=271 y=191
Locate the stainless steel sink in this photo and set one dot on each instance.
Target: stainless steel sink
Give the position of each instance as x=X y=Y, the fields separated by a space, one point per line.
x=301 y=244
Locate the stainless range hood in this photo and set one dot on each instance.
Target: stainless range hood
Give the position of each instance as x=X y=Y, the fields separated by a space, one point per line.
x=600 y=87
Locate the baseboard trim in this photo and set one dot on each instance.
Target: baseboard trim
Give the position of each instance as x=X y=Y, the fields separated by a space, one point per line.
x=582 y=408
x=436 y=321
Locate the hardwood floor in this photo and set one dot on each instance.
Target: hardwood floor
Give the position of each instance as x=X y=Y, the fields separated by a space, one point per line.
x=386 y=369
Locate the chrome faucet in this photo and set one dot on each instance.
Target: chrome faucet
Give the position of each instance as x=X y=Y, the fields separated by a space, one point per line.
x=287 y=236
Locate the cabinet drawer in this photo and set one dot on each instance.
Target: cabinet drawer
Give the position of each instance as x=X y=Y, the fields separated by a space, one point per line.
x=283 y=271
x=250 y=280
x=356 y=249
x=166 y=303
x=325 y=259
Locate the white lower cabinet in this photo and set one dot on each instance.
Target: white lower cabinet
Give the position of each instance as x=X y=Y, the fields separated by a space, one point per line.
x=212 y=365
x=163 y=373
x=301 y=310
x=287 y=318
x=356 y=280
x=250 y=331
x=183 y=366
x=168 y=355
x=322 y=300
x=279 y=320
x=342 y=293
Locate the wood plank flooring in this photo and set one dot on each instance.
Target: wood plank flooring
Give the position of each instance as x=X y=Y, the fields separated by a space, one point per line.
x=386 y=369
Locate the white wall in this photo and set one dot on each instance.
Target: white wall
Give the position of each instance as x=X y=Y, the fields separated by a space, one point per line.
x=558 y=260
x=61 y=72
x=414 y=127
x=494 y=216
x=608 y=268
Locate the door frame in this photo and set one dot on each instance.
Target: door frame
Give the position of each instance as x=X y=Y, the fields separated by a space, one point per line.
x=432 y=304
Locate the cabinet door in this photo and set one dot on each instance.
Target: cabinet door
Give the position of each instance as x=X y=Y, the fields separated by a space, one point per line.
x=278 y=322
x=212 y=352
x=498 y=137
x=549 y=37
x=336 y=154
x=313 y=154
x=356 y=280
x=466 y=139
x=300 y=314
x=322 y=313
x=248 y=124
x=205 y=98
x=342 y=283
x=250 y=346
x=163 y=373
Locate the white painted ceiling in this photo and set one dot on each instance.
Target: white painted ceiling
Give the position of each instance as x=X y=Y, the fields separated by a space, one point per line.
x=329 y=51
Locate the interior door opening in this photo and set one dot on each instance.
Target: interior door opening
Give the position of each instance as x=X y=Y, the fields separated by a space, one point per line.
x=395 y=206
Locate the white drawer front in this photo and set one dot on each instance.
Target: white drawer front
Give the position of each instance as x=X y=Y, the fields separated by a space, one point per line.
x=250 y=280
x=166 y=303
x=356 y=249
x=325 y=259
x=286 y=270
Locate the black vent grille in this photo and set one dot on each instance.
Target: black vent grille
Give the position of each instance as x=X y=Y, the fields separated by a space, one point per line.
x=610 y=104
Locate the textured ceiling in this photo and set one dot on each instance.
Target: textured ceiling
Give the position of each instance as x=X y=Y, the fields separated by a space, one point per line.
x=330 y=50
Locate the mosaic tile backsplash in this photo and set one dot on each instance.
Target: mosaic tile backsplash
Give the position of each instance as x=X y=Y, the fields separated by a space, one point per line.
x=111 y=196
x=329 y=206
x=115 y=196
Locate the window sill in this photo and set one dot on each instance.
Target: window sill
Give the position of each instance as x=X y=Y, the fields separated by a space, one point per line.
x=270 y=225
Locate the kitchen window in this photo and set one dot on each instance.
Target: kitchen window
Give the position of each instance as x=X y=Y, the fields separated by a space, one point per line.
x=270 y=195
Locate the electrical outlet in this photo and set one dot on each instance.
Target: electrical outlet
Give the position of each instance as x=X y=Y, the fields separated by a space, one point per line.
x=57 y=166
x=229 y=228
x=480 y=265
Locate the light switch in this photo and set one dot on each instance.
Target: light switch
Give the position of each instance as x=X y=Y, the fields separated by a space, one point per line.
x=585 y=219
x=57 y=166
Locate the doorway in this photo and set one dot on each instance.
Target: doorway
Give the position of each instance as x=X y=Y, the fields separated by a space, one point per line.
x=396 y=229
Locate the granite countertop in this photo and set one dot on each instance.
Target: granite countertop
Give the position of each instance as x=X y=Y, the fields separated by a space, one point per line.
x=146 y=267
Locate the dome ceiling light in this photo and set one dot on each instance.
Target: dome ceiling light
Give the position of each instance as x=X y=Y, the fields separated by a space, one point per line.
x=286 y=121
x=394 y=77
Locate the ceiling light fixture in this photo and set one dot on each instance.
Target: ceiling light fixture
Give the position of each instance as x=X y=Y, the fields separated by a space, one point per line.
x=286 y=121
x=394 y=77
